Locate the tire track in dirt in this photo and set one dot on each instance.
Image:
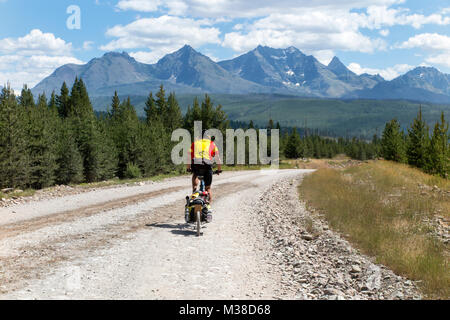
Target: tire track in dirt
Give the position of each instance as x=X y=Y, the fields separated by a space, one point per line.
x=37 y=260
x=16 y=228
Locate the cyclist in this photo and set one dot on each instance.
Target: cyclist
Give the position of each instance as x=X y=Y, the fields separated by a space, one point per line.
x=203 y=153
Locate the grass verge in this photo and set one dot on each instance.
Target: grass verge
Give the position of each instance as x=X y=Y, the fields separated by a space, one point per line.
x=17 y=194
x=383 y=208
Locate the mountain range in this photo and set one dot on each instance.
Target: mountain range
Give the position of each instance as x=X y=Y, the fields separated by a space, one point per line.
x=262 y=70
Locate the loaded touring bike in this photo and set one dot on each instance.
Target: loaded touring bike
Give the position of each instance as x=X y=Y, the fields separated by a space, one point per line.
x=196 y=209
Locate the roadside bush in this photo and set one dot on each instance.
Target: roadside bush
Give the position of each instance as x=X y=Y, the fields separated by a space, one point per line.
x=132 y=171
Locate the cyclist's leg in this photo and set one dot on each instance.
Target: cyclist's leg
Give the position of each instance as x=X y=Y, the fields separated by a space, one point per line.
x=208 y=189
x=208 y=182
x=195 y=180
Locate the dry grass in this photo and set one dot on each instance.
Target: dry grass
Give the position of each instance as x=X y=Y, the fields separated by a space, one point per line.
x=340 y=161
x=381 y=206
x=17 y=194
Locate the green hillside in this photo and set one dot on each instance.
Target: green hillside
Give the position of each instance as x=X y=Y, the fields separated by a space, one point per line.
x=339 y=117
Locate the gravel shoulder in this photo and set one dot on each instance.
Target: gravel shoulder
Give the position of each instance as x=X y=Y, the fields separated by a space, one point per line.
x=316 y=262
x=132 y=243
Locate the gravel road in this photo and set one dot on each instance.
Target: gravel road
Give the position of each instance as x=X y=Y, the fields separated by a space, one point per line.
x=131 y=242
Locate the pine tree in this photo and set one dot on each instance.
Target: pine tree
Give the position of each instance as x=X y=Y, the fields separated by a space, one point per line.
x=81 y=115
x=156 y=153
x=175 y=119
x=307 y=148
x=52 y=103
x=161 y=105
x=107 y=152
x=80 y=105
x=193 y=114
x=41 y=144
x=439 y=151
x=115 y=106
x=392 y=142
x=283 y=142
x=207 y=113
x=293 y=145
x=125 y=126
x=69 y=159
x=151 y=112
x=14 y=163
x=26 y=99
x=63 y=101
x=418 y=142
x=220 y=120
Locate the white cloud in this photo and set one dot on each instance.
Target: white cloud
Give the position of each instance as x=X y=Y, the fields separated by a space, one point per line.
x=20 y=70
x=161 y=35
x=139 y=5
x=377 y=17
x=427 y=41
x=324 y=56
x=36 y=42
x=177 y=7
x=437 y=46
x=378 y=13
x=439 y=59
x=33 y=57
x=211 y=55
x=150 y=56
x=388 y=73
x=238 y=27
x=309 y=31
x=385 y=32
x=242 y=8
x=88 y=45
x=318 y=26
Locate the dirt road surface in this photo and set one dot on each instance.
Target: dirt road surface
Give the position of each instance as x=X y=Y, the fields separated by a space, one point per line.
x=131 y=242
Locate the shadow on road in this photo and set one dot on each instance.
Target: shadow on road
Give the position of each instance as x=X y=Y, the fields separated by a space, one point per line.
x=177 y=229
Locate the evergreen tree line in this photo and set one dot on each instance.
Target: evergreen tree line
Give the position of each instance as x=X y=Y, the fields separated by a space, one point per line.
x=417 y=147
x=61 y=140
x=293 y=145
x=315 y=143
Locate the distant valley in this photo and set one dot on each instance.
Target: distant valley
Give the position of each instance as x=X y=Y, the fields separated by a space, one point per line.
x=336 y=117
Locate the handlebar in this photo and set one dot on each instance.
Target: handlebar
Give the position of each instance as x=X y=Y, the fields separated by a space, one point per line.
x=217 y=172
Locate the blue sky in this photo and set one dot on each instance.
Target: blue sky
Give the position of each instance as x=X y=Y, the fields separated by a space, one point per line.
x=388 y=37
